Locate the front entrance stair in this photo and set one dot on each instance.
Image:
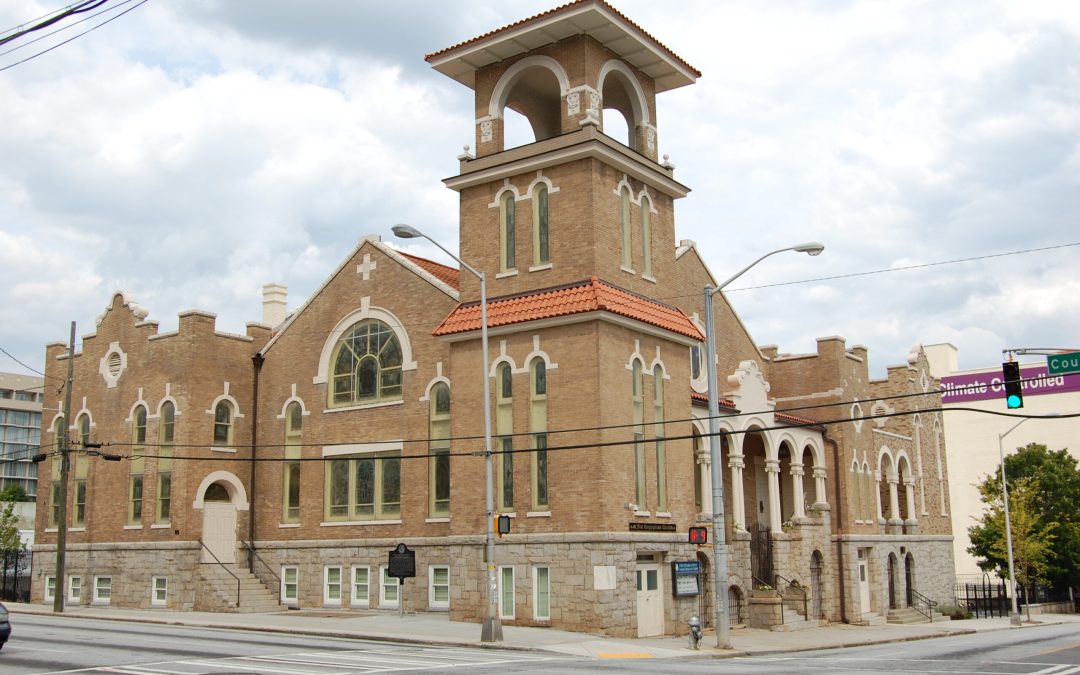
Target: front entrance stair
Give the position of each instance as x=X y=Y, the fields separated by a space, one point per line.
x=793 y=620
x=909 y=615
x=217 y=592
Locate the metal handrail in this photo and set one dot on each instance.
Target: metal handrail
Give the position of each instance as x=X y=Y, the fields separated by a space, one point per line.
x=222 y=565
x=761 y=583
x=792 y=586
x=251 y=549
x=930 y=604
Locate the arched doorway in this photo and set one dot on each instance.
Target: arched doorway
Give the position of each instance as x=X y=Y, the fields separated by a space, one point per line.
x=816 y=585
x=892 y=581
x=909 y=578
x=735 y=606
x=219 y=525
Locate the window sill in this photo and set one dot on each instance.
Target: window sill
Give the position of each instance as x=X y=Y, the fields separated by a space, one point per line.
x=538 y=514
x=79 y=528
x=507 y=273
x=643 y=514
x=649 y=277
x=624 y=268
x=50 y=529
x=160 y=526
x=663 y=514
x=439 y=608
x=366 y=406
x=133 y=527
x=540 y=268
x=287 y=525
x=344 y=523
x=439 y=519
x=216 y=448
x=508 y=514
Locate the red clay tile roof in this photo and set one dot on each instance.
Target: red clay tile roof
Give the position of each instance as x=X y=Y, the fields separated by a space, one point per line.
x=556 y=10
x=704 y=398
x=592 y=295
x=448 y=275
x=802 y=421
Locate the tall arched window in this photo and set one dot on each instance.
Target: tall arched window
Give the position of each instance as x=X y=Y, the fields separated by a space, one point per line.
x=504 y=423
x=856 y=480
x=627 y=258
x=223 y=424
x=439 y=448
x=166 y=437
x=637 y=392
x=507 y=232
x=658 y=422
x=294 y=428
x=56 y=495
x=138 y=463
x=538 y=427
x=646 y=237
x=541 y=253
x=367 y=365
x=82 y=462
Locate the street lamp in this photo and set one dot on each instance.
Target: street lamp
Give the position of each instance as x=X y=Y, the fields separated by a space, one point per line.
x=1014 y=618
x=491 y=630
x=720 y=572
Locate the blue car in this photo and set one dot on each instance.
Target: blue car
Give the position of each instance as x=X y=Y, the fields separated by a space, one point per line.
x=5 y=625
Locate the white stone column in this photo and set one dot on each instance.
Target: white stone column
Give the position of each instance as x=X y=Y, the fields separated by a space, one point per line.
x=737 y=462
x=821 y=497
x=909 y=490
x=772 y=471
x=800 y=497
x=705 y=482
x=877 y=500
x=894 y=502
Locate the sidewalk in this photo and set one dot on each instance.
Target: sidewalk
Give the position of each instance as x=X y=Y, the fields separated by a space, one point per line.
x=437 y=629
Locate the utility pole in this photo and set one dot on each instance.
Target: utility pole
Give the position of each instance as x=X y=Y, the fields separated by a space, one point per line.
x=61 y=526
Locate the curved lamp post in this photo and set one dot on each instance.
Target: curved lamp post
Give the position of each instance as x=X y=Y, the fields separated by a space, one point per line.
x=491 y=630
x=720 y=568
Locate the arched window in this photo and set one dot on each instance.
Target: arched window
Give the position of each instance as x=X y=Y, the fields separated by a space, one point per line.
x=367 y=365
x=223 y=424
x=646 y=238
x=439 y=448
x=658 y=422
x=541 y=254
x=637 y=392
x=504 y=423
x=538 y=427
x=82 y=462
x=138 y=464
x=167 y=435
x=508 y=238
x=627 y=259
x=56 y=495
x=294 y=427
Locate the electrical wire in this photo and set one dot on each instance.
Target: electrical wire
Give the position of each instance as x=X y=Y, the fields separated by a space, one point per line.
x=77 y=8
x=70 y=25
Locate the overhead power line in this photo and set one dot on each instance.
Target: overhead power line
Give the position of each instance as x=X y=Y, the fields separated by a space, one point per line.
x=66 y=27
x=50 y=19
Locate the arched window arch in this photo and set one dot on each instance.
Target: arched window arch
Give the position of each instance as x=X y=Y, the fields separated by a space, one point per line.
x=294 y=431
x=56 y=495
x=82 y=461
x=646 y=237
x=504 y=427
x=541 y=229
x=538 y=427
x=507 y=232
x=624 y=211
x=439 y=447
x=367 y=365
x=637 y=389
x=658 y=422
x=166 y=438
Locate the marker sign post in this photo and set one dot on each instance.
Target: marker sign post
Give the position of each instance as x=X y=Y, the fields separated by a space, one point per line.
x=402 y=565
x=1063 y=364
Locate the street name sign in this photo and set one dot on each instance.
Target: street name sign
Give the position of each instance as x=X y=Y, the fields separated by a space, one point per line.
x=1063 y=364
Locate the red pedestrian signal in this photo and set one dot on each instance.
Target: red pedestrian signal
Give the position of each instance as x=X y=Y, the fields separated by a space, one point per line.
x=699 y=535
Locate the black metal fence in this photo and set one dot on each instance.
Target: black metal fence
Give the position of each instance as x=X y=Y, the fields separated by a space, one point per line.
x=989 y=599
x=15 y=575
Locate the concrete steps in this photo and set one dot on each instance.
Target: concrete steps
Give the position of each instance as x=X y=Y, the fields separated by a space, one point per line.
x=217 y=592
x=908 y=615
x=793 y=621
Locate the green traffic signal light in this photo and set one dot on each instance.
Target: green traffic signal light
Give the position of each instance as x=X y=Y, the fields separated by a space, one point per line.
x=1014 y=394
x=1013 y=401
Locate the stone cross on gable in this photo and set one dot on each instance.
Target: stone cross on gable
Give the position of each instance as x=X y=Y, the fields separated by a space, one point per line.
x=366 y=267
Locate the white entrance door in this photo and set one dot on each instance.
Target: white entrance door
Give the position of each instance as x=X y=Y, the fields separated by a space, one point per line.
x=864 y=585
x=650 y=600
x=219 y=532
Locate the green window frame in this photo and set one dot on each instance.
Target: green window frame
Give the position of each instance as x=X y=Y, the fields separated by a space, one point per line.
x=361 y=587
x=137 y=466
x=504 y=425
x=624 y=213
x=637 y=393
x=364 y=487
x=542 y=593
x=290 y=490
x=646 y=237
x=658 y=424
x=367 y=365
x=166 y=438
x=507 y=232
x=542 y=229
x=290 y=584
x=439 y=449
x=538 y=427
x=223 y=424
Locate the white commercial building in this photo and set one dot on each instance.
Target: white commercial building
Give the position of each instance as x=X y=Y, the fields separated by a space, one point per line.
x=970 y=398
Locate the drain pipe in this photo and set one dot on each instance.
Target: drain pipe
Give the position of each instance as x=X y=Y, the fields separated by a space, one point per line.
x=257 y=361
x=839 y=525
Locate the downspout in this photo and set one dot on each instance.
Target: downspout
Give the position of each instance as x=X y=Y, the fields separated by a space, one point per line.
x=257 y=362
x=839 y=526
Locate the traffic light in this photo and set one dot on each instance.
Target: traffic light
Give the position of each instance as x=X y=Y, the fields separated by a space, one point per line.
x=1014 y=396
x=699 y=535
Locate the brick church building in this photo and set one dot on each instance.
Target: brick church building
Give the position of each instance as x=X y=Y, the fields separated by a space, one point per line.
x=278 y=468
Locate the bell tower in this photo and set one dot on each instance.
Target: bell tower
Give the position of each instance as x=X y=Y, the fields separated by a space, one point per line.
x=575 y=203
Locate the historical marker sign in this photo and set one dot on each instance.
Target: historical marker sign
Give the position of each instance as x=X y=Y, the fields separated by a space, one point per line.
x=1063 y=364
x=402 y=563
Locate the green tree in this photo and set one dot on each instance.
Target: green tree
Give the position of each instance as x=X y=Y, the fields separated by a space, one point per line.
x=9 y=529
x=13 y=492
x=1050 y=480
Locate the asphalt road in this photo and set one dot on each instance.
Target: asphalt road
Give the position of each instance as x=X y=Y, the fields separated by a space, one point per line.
x=49 y=644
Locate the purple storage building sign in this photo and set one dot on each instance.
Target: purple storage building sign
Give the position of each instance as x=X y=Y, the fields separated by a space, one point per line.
x=988 y=385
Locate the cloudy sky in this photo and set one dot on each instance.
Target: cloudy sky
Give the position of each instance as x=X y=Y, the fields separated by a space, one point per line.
x=189 y=152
